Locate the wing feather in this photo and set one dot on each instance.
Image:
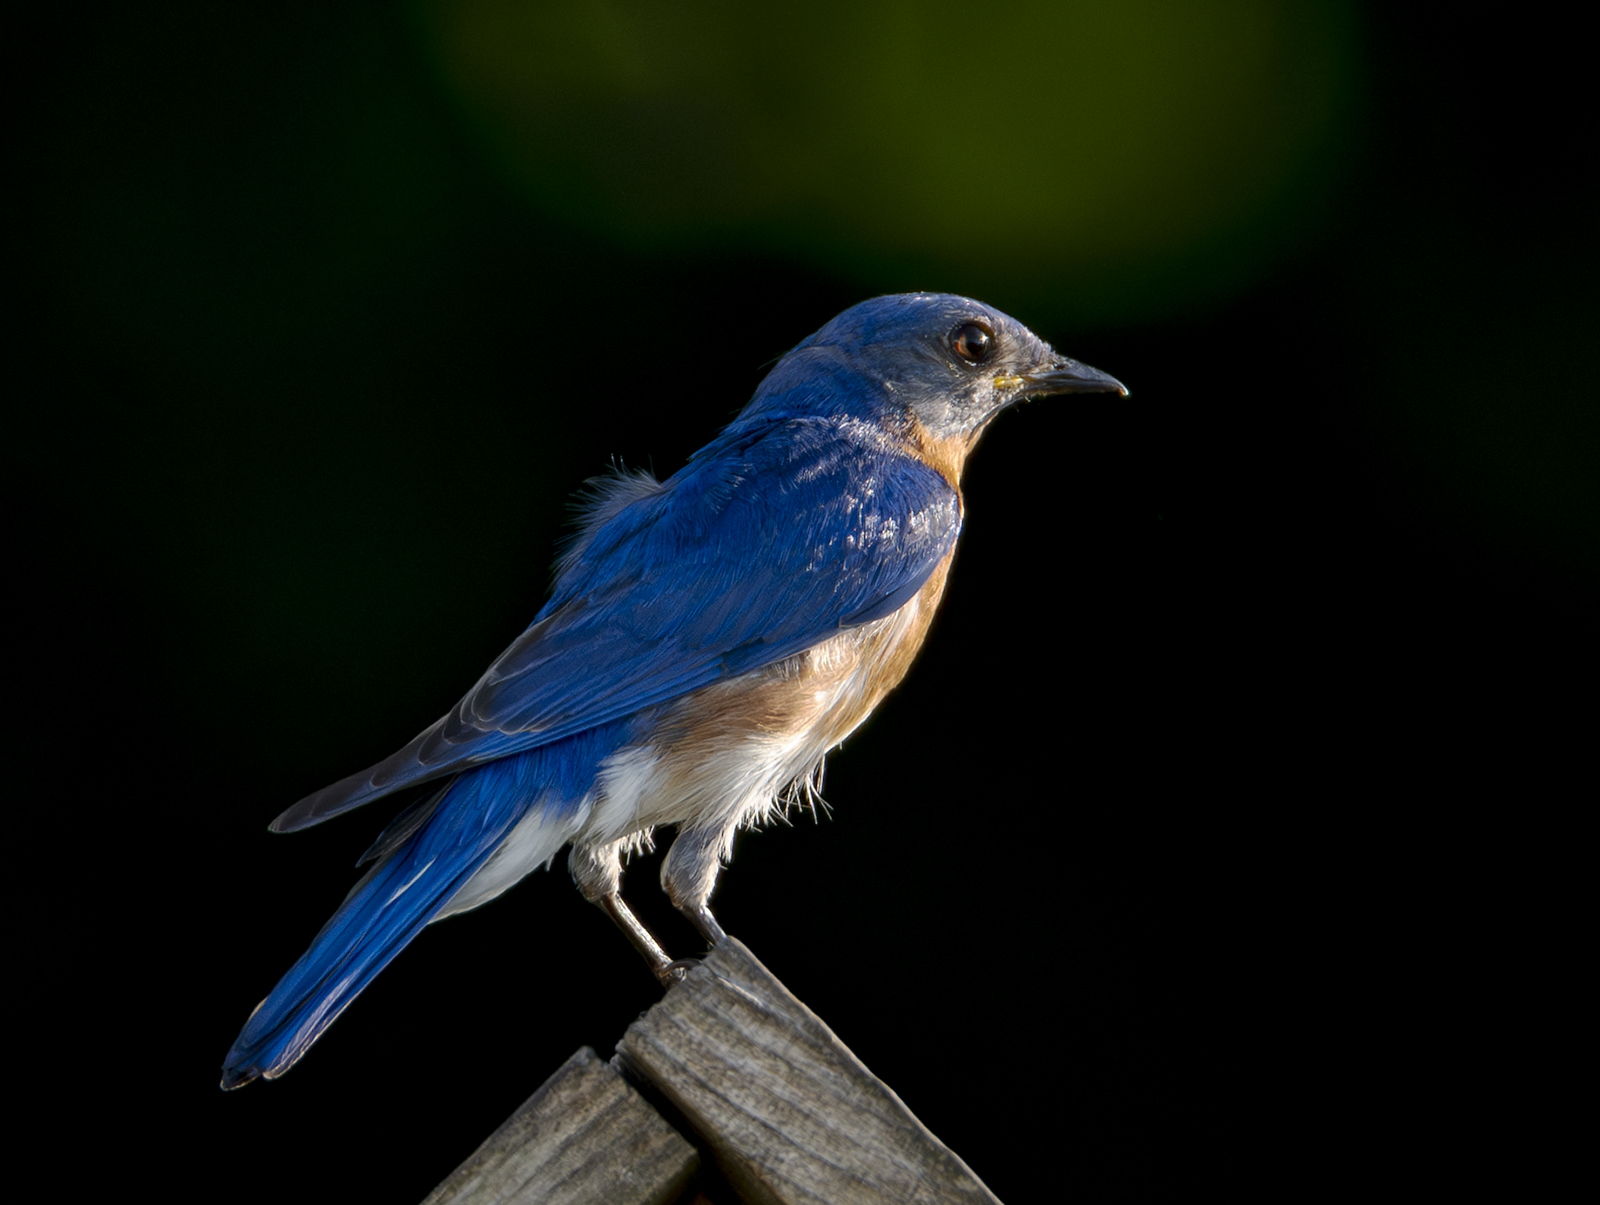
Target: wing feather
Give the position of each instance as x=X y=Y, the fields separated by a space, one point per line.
x=765 y=544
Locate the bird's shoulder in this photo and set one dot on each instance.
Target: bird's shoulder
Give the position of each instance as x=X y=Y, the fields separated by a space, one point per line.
x=763 y=495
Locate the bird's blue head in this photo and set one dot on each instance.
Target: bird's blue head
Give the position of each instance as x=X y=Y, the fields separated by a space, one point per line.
x=933 y=363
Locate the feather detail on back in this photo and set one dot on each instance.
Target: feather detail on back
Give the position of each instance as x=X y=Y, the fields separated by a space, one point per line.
x=601 y=500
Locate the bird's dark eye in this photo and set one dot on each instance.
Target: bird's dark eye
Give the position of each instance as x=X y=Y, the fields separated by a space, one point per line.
x=972 y=342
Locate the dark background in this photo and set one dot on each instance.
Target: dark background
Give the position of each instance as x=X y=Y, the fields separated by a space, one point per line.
x=1223 y=803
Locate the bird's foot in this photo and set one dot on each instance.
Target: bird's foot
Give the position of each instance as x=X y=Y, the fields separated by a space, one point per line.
x=676 y=970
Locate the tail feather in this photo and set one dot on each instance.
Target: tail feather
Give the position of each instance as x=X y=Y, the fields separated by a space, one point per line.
x=386 y=909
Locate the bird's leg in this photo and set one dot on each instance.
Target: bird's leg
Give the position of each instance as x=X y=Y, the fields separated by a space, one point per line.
x=689 y=874
x=700 y=916
x=597 y=870
x=641 y=938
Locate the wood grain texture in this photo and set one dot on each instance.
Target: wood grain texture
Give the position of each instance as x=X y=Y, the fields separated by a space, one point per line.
x=789 y=1114
x=584 y=1136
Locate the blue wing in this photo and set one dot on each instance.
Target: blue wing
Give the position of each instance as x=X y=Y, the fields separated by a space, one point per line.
x=772 y=538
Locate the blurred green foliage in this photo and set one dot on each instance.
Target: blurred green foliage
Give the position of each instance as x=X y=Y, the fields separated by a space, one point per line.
x=231 y=178
x=1095 y=162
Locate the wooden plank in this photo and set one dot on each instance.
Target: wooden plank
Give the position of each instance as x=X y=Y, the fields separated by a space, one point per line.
x=789 y=1114
x=586 y=1135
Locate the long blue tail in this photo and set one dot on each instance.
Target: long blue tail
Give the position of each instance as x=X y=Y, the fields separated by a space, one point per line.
x=387 y=908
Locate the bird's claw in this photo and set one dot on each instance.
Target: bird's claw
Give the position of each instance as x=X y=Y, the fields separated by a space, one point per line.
x=676 y=970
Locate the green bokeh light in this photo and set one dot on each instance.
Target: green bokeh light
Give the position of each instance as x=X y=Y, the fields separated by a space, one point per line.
x=1102 y=162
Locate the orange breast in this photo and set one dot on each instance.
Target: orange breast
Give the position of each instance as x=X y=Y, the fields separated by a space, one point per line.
x=771 y=727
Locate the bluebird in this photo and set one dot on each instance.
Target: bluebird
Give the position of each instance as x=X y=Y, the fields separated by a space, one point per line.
x=708 y=639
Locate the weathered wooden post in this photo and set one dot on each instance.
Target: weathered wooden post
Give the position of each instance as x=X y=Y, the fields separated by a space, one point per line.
x=764 y=1089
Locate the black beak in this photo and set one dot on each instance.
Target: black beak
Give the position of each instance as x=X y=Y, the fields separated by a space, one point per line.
x=1068 y=376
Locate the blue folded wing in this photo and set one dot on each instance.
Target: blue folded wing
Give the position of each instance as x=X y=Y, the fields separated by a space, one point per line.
x=773 y=538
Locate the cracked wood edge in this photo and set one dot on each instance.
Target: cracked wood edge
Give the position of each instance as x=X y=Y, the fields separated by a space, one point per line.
x=586 y=1135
